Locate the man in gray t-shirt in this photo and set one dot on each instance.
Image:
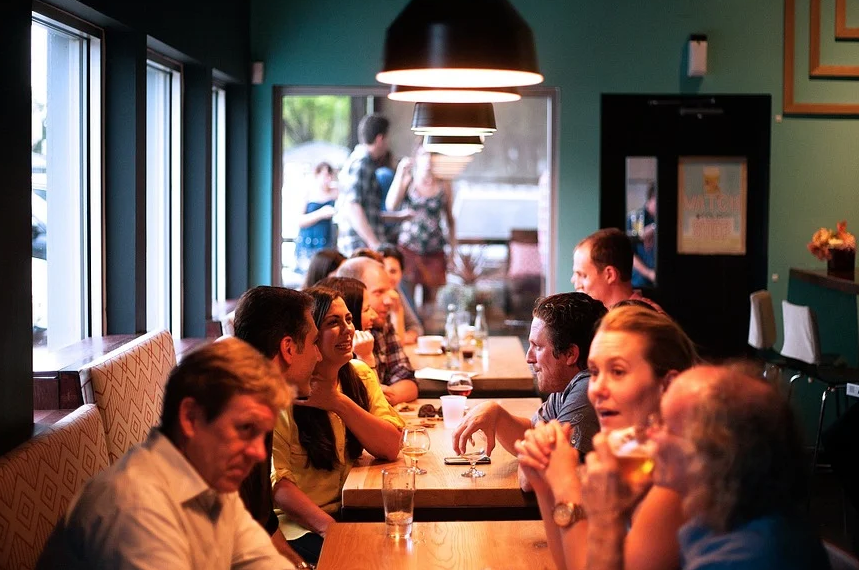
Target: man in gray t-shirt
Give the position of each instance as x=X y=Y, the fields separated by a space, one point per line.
x=572 y=407
x=558 y=344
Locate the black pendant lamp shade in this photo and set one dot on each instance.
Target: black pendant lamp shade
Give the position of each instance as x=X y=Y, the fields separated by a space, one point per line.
x=470 y=44
x=451 y=95
x=453 y=146
x=453 y=119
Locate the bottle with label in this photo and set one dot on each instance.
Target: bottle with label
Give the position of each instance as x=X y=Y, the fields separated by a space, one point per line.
x=481 y=333
x=451 y=338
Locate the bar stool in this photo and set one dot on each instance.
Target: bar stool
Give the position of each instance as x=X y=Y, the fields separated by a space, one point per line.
x=802 y=350
x=762 y=331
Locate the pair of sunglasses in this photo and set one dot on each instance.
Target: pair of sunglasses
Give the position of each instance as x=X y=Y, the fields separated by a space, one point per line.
x=429 y=411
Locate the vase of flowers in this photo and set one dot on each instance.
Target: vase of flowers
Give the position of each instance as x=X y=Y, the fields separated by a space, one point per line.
x=837 y=248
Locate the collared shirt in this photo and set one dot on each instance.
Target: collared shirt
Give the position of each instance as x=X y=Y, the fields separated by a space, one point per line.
x=290 y=461
x=152 y=510
x=637 y=296
x=572 y=407
x=359 y=185
x=392 y=364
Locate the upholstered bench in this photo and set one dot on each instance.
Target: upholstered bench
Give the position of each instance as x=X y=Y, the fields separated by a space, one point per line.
x=39 y=478
x=127 y=385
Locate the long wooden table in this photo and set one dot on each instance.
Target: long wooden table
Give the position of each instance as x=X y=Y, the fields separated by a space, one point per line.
x=504 y=373
x=475 y=545
x=443 y=487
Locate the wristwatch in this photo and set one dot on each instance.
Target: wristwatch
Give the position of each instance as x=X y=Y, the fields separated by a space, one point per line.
x=568 y=514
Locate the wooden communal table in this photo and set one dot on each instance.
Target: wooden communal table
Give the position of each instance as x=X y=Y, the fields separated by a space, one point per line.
x=443 y=493
x=505 y=373
x=474 y=545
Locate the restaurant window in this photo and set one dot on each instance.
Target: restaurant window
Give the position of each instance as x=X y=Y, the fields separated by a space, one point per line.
x=66 y=179
x=219 y=194
x=503 y=261
x=163 y=195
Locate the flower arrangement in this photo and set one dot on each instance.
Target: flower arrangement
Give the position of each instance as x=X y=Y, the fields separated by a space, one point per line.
x=825 y=240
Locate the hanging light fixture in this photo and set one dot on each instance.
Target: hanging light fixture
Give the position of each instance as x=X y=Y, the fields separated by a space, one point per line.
x=453 y=146
x=449 y=167
x=471 y=44
x=453 y=119
x=451 y=95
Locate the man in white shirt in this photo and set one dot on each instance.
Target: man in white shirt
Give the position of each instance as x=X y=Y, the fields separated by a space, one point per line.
x=602 y=268
x=172 y=501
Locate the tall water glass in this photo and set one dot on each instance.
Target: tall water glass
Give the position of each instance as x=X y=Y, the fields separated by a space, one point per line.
x=398 y=498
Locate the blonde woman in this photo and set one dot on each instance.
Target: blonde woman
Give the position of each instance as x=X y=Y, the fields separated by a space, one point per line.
x=635 y=354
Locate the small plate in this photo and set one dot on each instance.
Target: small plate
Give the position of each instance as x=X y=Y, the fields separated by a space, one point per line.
x=420 y=352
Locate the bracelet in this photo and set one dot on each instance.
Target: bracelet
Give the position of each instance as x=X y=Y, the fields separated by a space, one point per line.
x=304 y=565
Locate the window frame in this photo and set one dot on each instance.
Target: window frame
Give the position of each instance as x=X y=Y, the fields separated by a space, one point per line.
x=91 y=182
x=160 y=62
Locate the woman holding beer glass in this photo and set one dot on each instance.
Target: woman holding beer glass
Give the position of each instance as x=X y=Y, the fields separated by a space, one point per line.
x=635 y=354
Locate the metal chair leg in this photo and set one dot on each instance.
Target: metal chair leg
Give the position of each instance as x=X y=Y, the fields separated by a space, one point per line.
x=793 y=379
x=819 y=429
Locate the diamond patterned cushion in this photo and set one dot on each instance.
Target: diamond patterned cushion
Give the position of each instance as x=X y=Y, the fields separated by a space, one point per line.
x=127 y=385
x=40 y=477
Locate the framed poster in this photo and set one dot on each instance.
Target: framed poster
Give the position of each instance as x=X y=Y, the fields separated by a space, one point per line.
x=711 y=205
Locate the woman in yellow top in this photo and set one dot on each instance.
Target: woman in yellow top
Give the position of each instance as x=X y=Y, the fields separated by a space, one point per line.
x=318 y=440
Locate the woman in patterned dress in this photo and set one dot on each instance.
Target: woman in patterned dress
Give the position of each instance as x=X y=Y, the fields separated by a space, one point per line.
x=423 y=237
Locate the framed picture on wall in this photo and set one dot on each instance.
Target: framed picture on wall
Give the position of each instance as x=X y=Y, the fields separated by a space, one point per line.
x=711 y=205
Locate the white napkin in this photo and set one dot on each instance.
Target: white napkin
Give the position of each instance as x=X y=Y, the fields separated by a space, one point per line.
x=442 y=374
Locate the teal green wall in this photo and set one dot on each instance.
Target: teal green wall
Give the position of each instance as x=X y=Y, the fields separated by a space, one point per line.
x=586 y=49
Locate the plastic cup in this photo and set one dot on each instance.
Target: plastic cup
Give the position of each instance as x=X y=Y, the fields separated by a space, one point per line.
x=398 y=498
x=452 y=408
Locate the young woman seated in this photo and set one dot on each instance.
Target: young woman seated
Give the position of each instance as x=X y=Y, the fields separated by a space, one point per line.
x=318 y=440
x=635 y=354
x=357 y=300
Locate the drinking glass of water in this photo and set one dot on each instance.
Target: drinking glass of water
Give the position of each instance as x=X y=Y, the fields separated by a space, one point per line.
x=398 y=498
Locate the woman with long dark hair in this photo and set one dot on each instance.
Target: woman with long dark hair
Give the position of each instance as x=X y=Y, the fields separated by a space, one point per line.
x=357 y=301
x=318 y=440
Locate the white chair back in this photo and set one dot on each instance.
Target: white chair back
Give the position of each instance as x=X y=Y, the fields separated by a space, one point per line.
x=801 y=340
x=762 y=331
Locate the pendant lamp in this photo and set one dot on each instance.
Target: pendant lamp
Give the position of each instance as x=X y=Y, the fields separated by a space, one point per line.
x=471 y=44
x=453 y=119
x=452 y=95
x=449 y=167
x=453 y=146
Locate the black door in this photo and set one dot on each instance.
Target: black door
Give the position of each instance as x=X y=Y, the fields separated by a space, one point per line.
x=708 y=294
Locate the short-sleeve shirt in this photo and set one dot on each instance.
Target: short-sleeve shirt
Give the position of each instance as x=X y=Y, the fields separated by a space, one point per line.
x=766 y=543
x=572 y=407
x=290 y=461
x=359 y=185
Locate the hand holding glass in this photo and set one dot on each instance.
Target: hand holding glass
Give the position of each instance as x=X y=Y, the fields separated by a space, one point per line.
x=416 y=442
x=475 y=448
x=634 y=452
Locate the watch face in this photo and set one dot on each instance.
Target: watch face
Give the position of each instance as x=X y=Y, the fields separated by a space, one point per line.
x=562 y=514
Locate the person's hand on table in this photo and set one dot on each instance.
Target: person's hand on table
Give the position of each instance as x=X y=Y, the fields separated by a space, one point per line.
x=410 y=337
x=482 y=417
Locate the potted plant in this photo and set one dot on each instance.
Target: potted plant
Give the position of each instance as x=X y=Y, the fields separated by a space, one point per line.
x=837 y=248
